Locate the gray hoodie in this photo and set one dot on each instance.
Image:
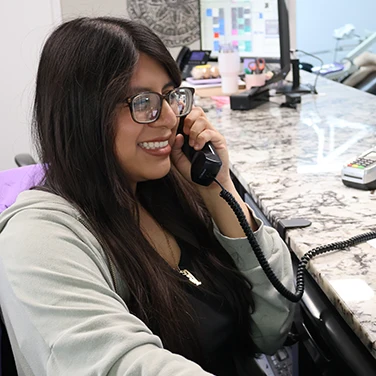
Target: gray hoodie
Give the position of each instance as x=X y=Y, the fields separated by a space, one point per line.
x=64 y=317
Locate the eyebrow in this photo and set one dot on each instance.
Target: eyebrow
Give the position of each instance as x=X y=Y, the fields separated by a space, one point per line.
x=140 y=89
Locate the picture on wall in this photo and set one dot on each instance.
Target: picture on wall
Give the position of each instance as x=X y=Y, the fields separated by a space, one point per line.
x=176 y=22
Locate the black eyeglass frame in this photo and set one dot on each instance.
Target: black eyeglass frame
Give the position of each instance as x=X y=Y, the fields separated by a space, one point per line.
x=129 y=102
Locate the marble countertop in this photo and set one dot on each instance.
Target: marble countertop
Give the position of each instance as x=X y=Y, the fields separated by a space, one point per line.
x=290 y=161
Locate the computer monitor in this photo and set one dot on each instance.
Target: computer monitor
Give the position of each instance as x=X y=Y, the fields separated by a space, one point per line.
x=259 y=28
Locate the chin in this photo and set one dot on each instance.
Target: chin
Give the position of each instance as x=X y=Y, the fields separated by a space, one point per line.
x=157 y=173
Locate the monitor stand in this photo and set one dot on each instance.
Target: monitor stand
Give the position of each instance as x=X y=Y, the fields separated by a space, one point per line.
x=296 y=87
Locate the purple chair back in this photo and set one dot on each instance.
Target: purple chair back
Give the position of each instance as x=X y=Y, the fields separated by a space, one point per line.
x=12 y=183
x=17 y=180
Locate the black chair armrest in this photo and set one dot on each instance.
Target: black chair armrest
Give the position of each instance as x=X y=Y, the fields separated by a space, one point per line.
x=24 y=160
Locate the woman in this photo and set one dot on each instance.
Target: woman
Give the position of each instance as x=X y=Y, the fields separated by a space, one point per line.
x=92 y=261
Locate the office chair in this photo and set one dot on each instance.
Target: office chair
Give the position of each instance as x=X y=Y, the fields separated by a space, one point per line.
x=368 y=84
x=12 y=183
x=364 y=77
x=16 y=180
x=24 y=160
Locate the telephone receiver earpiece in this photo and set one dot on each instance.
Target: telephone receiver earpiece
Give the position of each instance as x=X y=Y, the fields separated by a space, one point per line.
x=205 y=163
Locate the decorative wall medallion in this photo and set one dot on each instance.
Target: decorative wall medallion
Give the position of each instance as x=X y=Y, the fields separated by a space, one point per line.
x=176 y=22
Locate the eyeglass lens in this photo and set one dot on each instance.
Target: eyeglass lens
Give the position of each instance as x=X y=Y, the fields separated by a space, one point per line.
x=147 y=106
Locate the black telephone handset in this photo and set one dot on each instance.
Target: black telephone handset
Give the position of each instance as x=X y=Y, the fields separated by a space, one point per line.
x=205 y=163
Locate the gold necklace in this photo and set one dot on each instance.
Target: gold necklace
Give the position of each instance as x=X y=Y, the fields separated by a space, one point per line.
x=184 y=272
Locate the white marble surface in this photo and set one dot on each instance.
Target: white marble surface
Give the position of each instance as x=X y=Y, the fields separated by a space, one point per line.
x=290 y=161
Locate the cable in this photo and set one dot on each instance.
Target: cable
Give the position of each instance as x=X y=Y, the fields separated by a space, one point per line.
x=318 y=72
x=293 y=297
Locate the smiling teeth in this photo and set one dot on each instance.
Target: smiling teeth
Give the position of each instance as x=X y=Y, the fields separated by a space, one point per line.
x=153 y=145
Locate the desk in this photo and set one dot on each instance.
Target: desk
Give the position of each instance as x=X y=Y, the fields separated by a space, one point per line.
x=289 y=162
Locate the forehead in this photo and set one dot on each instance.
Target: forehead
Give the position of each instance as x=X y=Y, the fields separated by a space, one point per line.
x=149 y=75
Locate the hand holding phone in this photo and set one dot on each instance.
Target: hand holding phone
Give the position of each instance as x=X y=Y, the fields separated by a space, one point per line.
x=205 y=163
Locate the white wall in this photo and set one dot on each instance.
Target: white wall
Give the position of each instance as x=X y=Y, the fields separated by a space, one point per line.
x=24 y=25
x=93 y=8
x=316 y=20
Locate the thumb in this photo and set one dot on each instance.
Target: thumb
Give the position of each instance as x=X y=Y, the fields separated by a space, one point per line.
x=179 y=140
x=176 y=152
x=178 y=158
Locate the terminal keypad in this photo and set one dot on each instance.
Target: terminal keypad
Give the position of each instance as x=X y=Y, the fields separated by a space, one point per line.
x=362 y=163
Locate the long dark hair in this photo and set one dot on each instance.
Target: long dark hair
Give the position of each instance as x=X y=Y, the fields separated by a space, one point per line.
x=84 y=72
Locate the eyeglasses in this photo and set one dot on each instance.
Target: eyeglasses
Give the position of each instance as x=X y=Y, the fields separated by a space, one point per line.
x=146 y=107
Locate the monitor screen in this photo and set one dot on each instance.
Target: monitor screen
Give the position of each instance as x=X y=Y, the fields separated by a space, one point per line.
x=252 y=25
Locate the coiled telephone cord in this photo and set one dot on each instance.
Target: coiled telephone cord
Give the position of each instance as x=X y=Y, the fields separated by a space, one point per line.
x=293 y=297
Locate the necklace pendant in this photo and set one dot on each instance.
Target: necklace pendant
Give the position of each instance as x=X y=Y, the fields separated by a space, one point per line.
x=190 y=276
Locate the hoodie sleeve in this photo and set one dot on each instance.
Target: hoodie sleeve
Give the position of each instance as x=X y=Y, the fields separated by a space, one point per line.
x=273 y=314
x=60 y=308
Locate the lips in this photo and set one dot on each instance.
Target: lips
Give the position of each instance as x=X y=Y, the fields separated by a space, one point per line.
x=157 y=148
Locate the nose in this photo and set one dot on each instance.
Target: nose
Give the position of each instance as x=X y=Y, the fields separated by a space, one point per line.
x=167 y=117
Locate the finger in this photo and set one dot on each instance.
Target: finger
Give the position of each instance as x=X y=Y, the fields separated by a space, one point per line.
x=207 y=135
x=198 y=127
x=192 y=117
x=196 y=124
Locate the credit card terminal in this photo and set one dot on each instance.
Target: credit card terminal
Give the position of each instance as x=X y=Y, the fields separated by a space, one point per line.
x=360 y=172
